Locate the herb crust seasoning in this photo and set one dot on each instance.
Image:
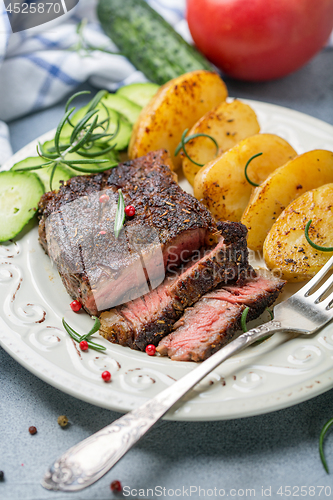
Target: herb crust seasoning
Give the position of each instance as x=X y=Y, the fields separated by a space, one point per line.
x=195 y=251
x=179 y=220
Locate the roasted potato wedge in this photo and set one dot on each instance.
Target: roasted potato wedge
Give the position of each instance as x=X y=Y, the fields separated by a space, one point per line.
x=176 y=106
x=286 y=248
x=228 y=123
x=307 y=171
x=221 y=184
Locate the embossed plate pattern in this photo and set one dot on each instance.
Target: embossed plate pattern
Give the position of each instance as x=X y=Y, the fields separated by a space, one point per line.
x=278 y=373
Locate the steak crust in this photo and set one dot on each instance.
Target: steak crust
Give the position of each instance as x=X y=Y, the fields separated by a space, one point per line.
x=197 y=253
x=181 y=223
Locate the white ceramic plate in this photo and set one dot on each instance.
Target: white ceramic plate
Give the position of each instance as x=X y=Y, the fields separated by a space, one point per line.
x=275 y=374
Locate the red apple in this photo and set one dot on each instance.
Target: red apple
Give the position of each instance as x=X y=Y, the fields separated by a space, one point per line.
x=259 y=40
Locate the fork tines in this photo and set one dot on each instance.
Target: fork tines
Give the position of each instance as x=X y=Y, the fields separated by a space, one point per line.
x=307 y=289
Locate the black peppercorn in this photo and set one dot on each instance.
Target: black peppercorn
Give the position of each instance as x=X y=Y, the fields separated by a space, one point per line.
x=2 y=475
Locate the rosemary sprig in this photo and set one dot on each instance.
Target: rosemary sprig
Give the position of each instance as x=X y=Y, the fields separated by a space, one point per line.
x=243 y=319
x=245 y=170
x=184 y=141
x=94 y=329
x=321 y=442
x=120 y=215
x=83 y=138
x=78 y=338
x=314 y=245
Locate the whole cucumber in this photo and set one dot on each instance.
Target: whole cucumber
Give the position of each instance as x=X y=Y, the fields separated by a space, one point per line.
x=148 y=41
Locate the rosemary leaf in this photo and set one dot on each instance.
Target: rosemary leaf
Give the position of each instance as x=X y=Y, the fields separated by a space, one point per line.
x=97 y=137
x=89 y=170
x=97 y=98
x=260 y=341
x=245 y=170
x=81 y=124
x=37 y=167
x=120 y=215
x=86 y=137
x=46 y=154
x=321 y=442
x=52 y=175
x=184 y=141
x=59 y=129
x=243 y=319
x=62 y=147
x=88 y=162
x=72 y=333
x=94 y=329
x=96 y=155
x=314 y=245
x=72 y=99
x=96 y=347
x=180 y=145
x=78 y=338
x=107 y=120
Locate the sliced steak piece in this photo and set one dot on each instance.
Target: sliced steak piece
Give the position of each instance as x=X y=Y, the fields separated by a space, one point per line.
x=77 y=231
x=149 y=318
x=213 y=320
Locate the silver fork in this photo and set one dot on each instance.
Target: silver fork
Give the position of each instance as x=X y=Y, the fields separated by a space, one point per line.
x=304 y=312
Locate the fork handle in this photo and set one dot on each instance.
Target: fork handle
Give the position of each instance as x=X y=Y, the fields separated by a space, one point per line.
x=89 y=460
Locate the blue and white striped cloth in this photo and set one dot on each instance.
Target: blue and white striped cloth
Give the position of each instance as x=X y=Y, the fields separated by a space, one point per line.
x=37 y=67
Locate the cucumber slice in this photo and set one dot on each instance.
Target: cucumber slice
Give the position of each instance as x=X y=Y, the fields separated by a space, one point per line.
x=20 y=193
x=31 y=161
x=140 y=93
x=123 y=106
x=125 y=128
x=61 y=173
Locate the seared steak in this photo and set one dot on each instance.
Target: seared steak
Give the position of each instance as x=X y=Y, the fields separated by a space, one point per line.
x=76 y=229
x=165 y=259
x=149 y=318
x=214 y=319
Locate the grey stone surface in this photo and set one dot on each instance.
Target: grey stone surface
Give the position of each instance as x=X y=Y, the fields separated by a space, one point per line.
x=272 y=450
x=275 y=450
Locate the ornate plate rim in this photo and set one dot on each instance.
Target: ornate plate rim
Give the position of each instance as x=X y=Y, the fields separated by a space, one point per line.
x=105 y=396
